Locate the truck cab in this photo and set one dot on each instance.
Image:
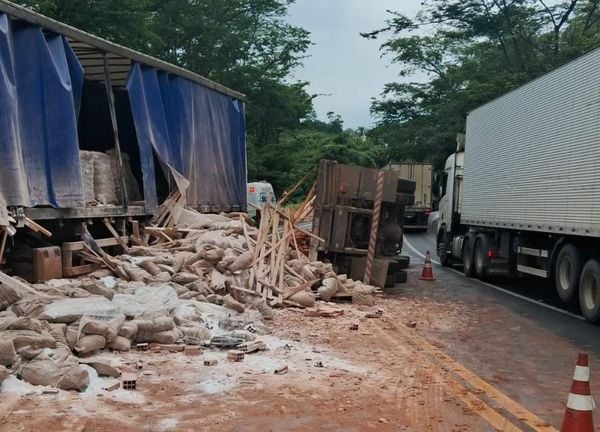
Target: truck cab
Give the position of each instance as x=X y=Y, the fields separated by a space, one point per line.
x=259 y=194
x=449 y=206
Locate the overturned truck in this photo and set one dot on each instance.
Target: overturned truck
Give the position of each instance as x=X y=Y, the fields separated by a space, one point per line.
x=93 y=136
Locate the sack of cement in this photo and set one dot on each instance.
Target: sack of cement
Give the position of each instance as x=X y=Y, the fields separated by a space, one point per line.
x=71 y=309
x=264 y=309
x=56 y=368
x=210 y=253
x=184 y=278
x=304 y=298
x=154 y=325
x=72 y=335
x=363 y=295
x=164 y=337
x=11 y=322
x=150 y=298
x=197 y=220
x=242 y=262
x=87 y=173
x=90 y=343
x=120 y=343
x=186 y=313
x=3 y=373
x=231 y=303
x=59 y=333
x=131 y=185
x=151 y=267
x=195 y=334
x=8 y=355
x=8 y=296
x=222 y=239
x=328 y=289
x=108 y=327
x=28 y=338
x=98 y=289
x=104 y=181
x=128 y=330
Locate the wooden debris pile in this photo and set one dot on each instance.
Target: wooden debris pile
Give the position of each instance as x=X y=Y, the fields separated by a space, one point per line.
x=166 y=288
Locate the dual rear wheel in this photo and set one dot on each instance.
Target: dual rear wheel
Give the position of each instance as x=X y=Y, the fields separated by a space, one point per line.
x=475 y=256
x=578 y=280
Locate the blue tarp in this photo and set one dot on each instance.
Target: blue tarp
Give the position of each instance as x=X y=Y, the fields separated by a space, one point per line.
x=197 y=132
x=40 y=87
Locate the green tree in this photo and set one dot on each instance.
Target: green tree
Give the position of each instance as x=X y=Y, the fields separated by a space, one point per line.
x=477 y=50
x=244 y=44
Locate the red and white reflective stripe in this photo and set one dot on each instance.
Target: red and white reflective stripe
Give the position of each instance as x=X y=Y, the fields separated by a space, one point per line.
x=580 y=402
x=582 y=373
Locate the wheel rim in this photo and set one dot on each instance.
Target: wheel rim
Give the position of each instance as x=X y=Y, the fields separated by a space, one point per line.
x=565 y=273
x=478 y=257
x=590 y=291
x=467 y=258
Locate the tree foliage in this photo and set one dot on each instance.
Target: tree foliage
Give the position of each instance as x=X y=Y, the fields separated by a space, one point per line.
x=245 y=44
x=471 y=51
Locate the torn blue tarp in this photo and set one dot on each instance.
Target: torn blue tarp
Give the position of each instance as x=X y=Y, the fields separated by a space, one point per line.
x=40 y=86
x=197 y=132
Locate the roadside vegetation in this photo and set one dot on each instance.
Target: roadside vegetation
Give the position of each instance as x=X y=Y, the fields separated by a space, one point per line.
x=465 y=53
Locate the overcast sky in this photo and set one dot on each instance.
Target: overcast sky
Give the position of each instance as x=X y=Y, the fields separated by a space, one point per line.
x=343 y=65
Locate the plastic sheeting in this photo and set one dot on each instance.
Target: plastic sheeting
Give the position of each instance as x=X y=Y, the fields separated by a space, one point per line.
x=197 y=132
x=40 y=87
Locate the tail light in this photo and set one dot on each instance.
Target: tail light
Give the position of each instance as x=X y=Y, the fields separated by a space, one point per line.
x=252 y=189
x=492 y=253
x=427 y=213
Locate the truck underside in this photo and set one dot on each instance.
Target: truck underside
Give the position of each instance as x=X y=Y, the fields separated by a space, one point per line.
x=571 y=262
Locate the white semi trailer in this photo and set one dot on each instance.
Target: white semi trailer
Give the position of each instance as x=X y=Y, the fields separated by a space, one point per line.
x=522 y=193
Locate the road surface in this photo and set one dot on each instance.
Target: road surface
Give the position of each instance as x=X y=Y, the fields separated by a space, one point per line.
x=515 y=335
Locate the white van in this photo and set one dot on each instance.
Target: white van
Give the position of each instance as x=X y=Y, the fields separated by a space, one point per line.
x=259 y=194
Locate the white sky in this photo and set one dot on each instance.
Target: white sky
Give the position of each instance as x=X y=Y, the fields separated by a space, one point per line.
x=342 y=64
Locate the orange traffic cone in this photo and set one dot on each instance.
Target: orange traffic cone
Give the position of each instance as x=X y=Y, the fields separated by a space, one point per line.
x=578 y=416
x=427 y=273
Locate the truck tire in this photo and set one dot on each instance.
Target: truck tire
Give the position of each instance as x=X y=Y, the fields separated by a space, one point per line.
x=482 y=261
x=567 y=273
x=589 y=291
x=403 y=262
x=406 y=186
x=467 y=257
x=442 y=247
x=401 y=276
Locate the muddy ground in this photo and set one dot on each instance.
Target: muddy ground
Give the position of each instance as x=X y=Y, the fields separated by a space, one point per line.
x=392 y=374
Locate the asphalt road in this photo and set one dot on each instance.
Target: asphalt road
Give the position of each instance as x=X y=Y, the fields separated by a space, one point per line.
x=517 y=330
x=534 y=288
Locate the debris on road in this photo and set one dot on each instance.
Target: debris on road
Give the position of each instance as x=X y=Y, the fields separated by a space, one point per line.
x=200 y=280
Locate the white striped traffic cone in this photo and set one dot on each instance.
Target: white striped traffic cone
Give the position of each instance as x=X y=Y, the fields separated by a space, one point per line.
x=427 y=273
x=578 y=416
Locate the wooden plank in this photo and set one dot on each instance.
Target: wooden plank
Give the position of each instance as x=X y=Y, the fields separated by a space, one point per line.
x=80 y=270
x=135 y=228
x=79 y=245
x=287 y=194
x=114 y=232
x=33 y=226
x=279 y=212
x=298 y=288
x=3 y=245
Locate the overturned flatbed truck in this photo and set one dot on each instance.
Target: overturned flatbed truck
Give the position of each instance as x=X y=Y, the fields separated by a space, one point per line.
x=359 y=215
x=91 y=131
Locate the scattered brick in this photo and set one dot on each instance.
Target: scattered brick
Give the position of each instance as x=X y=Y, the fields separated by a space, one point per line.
x=192 y=350
x=235 y=356
x=129 y=381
